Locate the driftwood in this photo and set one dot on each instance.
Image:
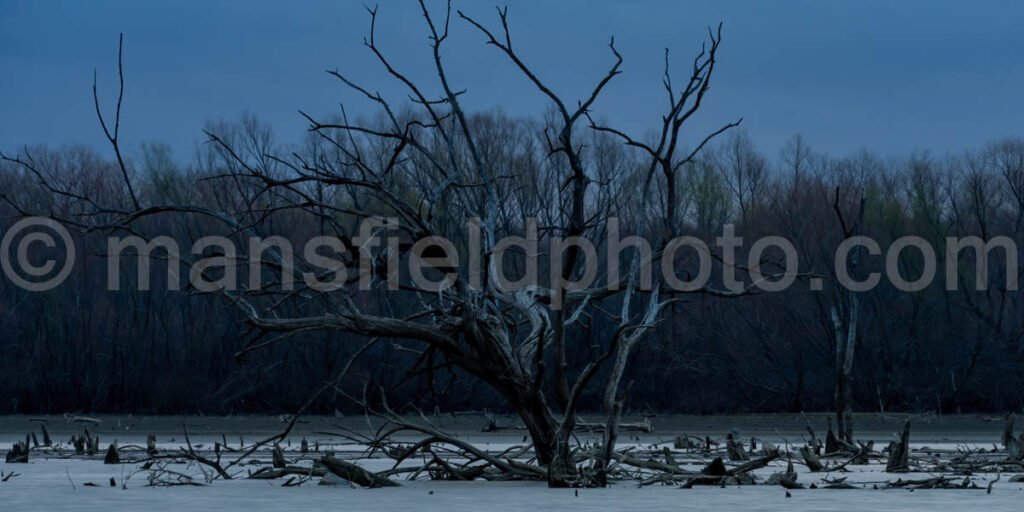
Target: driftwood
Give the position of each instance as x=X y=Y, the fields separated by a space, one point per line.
x=716 y=472
x=860 y=457
x=899 y=452
x=811 y=459
x=356 y=474
x=786 y=479
x=73 y=418
x=651 y=464
x=644 y=426
x=939 y=482
x=272 y=473
x=734 y=449
x=754 y=464
x=685 y=442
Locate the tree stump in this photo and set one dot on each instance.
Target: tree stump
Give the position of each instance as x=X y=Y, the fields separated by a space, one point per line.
x=93 y=444
x=278 y=457
x=18 y=454
x=46 y=436
x=1014 y=446
x=899 y=452
x=1008 y=431
x=832 y=444
x=734 y=449
x=79 y=444
x=112 y=457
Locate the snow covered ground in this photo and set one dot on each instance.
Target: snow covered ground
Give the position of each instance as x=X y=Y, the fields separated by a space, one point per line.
x=56 y=484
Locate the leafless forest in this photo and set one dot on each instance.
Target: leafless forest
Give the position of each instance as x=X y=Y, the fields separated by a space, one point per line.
x=615 y=348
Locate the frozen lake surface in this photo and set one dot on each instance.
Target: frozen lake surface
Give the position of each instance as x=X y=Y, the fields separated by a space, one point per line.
x=61 y=482
x=45 y=486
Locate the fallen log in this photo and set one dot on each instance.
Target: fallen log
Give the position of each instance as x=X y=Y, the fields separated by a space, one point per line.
x=786 y=479
x=810 y=459
x=752 y=465
x=712 y=474
x=861 y=457
x=72 y=418
x=651 y=464
x=685 y=442
x=716 y=472
x=273 y=473
x=356 y=474
x=644 y=426
x=939 y=482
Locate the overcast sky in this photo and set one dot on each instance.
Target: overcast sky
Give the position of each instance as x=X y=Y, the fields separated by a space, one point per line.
x=889 y=76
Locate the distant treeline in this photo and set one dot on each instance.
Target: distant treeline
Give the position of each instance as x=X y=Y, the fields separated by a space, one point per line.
x=83 y=348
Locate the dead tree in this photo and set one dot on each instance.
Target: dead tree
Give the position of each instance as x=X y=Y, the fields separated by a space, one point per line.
x=845 y=315
x=1014 y=445
x=432 y=171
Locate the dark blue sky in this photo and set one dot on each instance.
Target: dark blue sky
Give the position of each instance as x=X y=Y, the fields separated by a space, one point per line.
x=890 y=76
